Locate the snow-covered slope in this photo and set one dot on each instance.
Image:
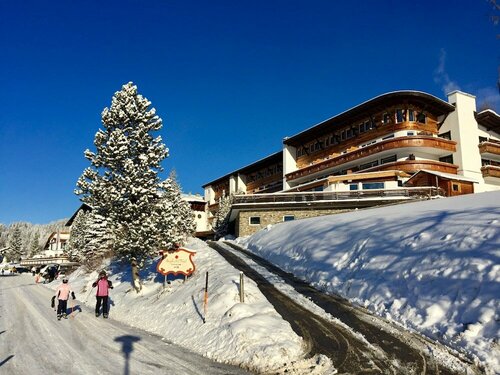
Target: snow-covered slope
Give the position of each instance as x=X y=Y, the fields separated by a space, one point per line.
x=251 y=334
x=433 y=266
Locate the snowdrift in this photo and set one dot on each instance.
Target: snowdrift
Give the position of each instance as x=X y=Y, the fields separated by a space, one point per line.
x=433 y=266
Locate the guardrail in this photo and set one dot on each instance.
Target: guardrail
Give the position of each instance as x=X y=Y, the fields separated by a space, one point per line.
x=318 y=196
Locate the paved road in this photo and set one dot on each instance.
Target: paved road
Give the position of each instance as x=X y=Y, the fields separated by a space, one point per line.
x=33 y=341
x=387 y=348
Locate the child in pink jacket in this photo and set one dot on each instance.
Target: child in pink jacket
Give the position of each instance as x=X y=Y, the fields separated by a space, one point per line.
x=63 y=292
x=103 y=285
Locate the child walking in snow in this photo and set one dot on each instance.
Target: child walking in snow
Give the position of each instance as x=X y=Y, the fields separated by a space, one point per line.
x=63 y=292
x=103 y=285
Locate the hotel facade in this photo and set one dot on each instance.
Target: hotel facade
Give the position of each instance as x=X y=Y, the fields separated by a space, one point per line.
x=397 y=146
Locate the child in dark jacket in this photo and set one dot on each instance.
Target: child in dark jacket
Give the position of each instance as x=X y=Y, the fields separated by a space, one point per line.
x=103 y=285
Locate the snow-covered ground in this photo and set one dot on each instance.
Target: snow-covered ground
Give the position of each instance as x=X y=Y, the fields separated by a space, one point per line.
x=251 y=334
x=433 y=266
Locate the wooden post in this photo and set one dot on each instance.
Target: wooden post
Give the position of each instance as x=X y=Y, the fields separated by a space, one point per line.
x=242 y=288
x=205 y=300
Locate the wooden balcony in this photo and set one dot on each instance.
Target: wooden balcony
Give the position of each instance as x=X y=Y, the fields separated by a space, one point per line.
x=241 y=201
x=491 y=148
x=490 y=171
x=411 y=166
x=427 y=142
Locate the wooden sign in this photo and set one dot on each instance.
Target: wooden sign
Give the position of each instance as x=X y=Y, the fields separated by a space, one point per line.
x=176 y=262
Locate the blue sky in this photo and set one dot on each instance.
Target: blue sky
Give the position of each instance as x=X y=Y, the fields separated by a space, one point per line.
x=230 y=79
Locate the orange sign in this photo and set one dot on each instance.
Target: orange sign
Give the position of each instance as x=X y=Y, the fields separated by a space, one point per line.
x=176 y=262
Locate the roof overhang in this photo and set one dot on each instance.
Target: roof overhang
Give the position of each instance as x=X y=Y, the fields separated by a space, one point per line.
x=271 y=159
x=426 y=101
x=447 y=176
x=489 y=119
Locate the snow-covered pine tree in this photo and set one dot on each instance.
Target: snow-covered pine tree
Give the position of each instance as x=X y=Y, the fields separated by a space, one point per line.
x=35 y=244
x=221 y=221
x=122 y=185
x=15 y=245
x=98 y=240
x=178 y=218
x=77 y=238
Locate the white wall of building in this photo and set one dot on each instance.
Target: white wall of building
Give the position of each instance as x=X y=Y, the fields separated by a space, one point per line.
x=289 y=163
x=465 y=131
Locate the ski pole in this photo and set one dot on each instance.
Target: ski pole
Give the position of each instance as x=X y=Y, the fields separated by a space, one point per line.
x=205 y=300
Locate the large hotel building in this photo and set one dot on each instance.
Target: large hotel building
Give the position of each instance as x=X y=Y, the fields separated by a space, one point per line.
x=395 y=147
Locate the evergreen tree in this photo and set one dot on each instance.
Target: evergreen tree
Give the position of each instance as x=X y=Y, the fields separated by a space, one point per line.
x=221 y=221
x=15 y=245
x=122 y=184
x=77 y=237
x=97 y=239
x=35 y=244
x=178 y=218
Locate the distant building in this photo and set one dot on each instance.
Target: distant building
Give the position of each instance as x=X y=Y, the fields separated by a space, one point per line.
x=198 y=206
x=394 y=147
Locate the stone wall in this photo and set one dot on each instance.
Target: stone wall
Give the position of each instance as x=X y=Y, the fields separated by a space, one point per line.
x=244 y=228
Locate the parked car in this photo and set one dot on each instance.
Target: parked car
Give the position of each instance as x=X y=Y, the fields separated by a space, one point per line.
x=20 y=269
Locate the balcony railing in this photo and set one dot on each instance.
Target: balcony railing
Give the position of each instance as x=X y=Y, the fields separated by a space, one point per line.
x=324 y=196
x=489 y=148
x=490 y=171
x=390 y=144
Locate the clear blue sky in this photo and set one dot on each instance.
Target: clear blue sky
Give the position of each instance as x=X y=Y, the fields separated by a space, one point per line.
x=229 y=78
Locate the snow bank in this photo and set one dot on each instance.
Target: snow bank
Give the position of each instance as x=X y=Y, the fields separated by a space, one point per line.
x=250 y=334
x=432 y=266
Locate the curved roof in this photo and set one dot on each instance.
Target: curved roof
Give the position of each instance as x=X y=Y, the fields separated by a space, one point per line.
x=489 y=119
x=271 y=159
x=428 y=103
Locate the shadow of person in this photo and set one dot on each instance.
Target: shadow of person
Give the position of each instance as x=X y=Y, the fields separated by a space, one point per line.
x=6 y=359
x=127 y=342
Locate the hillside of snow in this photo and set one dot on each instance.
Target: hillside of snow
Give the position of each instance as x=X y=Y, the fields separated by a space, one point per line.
x=234 y=332
x=432 y=266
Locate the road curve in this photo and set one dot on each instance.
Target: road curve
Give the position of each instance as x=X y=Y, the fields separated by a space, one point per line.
x=391 y=350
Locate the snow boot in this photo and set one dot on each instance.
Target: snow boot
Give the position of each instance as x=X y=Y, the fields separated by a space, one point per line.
x=65 y=316
x=96 y=315
x=105 y=316
x=58 y=317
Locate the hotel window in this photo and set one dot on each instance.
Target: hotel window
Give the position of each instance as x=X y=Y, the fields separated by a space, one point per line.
x=388 y=159
x=353 y=187
x=400 y=115
x=368 y=125
x=288 y=218
x=411 y=115
x=349 y=133
x=361 y=128
x=446 y=135
x=455 y=187
x=421 y=118
x=447 y=159
x=386 y=118
x=373 y=185
x=410 y=133
x=254 y=220
x=368 y=165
